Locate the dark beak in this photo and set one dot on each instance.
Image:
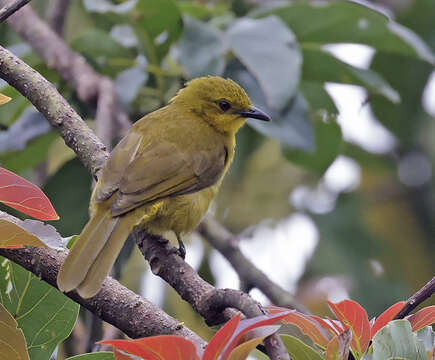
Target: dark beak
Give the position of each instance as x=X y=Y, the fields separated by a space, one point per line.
x=254 y=113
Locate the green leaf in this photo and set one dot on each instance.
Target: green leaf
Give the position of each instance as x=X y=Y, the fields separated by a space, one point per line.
x=34 y=153
x=397 y=340
x=12 y=341
x=291 y=127
x=159 y=24
x=106 y=6
x=299 y=350
x=45 y=315
x=427 y=337
x=321 y=66
x=13 y=109
x=97 y=44
x=348 y=22
x=104 y=355
x=72 y=205
x=328 y=140
x=318 y=98
x=200 y=49
x=270 y=52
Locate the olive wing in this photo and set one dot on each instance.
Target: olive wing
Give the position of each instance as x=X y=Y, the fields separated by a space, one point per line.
x=162 y=170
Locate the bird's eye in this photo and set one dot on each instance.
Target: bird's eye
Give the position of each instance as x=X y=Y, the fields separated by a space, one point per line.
x=224 y=105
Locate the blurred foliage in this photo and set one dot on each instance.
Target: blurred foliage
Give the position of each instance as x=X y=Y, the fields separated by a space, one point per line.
x=279 y=51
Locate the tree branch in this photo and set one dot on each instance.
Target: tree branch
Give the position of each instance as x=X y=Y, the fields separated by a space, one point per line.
x=62 y=117
x=8 y=10
x=56 y=14
x=421 y=295
x=227 y=244
x=73 y=68
x=115 y=304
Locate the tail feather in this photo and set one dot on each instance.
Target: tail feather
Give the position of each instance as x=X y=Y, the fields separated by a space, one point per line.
x=85 y=250
x=105 y=260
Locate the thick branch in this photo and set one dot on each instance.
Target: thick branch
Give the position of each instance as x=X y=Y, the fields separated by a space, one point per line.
x=421 y=295
x=211 y=303
x=44 y=96
x=8 y=10
x=115 y=304
x=227 y=244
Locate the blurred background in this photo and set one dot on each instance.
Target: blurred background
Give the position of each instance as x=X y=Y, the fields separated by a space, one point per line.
x=334 y=199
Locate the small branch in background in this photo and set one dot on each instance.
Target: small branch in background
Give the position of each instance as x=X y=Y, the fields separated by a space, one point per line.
x=56 y=14
x=421 y=295
x=211 y=303
x=105 y=111
x=227 y=244
x=90 y=86
x=8 y=10
x=44 y=96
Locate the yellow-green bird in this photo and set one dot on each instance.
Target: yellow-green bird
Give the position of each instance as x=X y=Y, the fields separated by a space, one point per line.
x=162 y=175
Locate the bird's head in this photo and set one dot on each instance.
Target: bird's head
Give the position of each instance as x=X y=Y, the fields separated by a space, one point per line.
x=220 y=102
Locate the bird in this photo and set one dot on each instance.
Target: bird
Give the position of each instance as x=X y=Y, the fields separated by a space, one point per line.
x=161 y=176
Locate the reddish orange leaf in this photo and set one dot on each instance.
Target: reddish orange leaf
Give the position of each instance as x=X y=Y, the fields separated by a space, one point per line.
x=422 y=318
x=245 y=325
x=386 y=317
x=24 y=196
x=120 y=355
x=338 y=347
x=309 y=327
x=221 y=338
x=162 y=347
x=353 y=316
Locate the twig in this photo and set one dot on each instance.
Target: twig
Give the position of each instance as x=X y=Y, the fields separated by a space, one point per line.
x=8 y=10
x=227 y=244
x=421 y=295
x=44 y=96
x=115 y=304
x=56 y=14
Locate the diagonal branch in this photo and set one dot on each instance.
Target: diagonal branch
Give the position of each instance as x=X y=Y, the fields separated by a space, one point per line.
x=8 y=10
x=227 y=244
x=421 y=295
x=62 y=117
x=90 y=86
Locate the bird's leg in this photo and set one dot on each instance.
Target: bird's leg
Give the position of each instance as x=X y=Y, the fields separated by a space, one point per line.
x=181 y=248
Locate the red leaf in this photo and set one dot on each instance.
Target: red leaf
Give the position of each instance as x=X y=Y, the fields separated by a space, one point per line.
x=24 y=196
x=249 y=324
x=162 y=347
x=352 y=315
x=221 y=338
x=386 y=317
x=338 y=347
x=310 y=327
x=422 y=318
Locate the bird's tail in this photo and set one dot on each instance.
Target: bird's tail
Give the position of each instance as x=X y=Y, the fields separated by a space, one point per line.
x=93 y=254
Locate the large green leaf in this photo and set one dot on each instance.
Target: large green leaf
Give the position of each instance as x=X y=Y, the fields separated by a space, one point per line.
x=270 y=52
x=299 y=350
x=159 y=24
x=200 y=49
x=328 y=140
x=318 y=98
x=45 y=315
x=348 y=22
x=397 y=340
x=321 y=66
x=13 y=109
